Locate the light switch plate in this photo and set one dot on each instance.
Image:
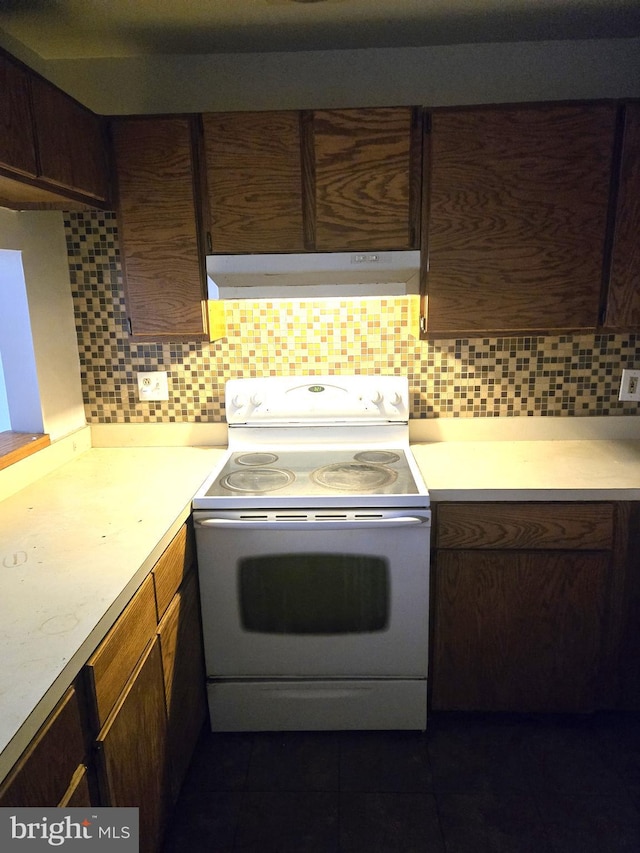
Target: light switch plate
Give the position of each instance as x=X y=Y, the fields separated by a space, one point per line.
x=153 y=385
x=630 y=385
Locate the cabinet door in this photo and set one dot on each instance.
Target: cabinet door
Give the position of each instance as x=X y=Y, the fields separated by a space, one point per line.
x=254 y=177
x=110 y=666
x=131 y=753
x=184 y=678
x=44 y=772
x=71 y=144
x=17 y=142
x=517 y=217
x=366 y=178
x=159 y=226
x=518 y=630
x=172 y=567
x=627 y=616
x=623 y=308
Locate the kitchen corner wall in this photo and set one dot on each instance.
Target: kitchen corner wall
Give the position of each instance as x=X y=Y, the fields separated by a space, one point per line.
x=556 y=375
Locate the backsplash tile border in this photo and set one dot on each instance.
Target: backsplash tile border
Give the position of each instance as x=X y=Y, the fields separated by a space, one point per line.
x=551 y=376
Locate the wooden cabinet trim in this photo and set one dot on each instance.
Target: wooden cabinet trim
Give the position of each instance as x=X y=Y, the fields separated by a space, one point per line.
x=110 y=665
x=583 y=526
x=78 y=794
x=307 y=144
x=626 y=613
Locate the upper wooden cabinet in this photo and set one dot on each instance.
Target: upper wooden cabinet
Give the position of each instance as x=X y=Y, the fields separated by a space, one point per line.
x=17 y=140
x=71 y=142
x=159 y=220
x=254 y=176
x=327 y=180
x=623 y=305
x=52 y=149
x=365 y=178
x=517 y=208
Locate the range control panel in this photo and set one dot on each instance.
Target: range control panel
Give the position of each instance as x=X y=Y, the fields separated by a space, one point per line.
x=329 y=399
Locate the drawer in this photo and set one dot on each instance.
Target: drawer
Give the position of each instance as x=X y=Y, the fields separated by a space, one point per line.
x=170 y=570
x=583 y=526
x=43 y=773
x=112 y=663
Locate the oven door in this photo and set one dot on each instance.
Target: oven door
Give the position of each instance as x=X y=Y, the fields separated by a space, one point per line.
x=339 y=594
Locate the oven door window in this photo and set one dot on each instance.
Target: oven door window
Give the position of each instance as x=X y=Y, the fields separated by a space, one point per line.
x=314 y=594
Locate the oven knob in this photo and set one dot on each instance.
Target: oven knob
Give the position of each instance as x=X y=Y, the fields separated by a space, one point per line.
x=396 y=400
x=238 y=401
x=256 y=400
x=377 y=398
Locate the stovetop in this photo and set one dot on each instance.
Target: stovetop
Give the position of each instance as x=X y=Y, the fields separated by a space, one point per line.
x=316 y=442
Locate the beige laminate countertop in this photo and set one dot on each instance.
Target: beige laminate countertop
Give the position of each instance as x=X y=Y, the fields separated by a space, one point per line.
x=76 y=543
x=585 y=470
x=74 y=547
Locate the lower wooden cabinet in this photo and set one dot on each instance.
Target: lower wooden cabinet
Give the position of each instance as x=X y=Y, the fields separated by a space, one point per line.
x=125 y=733
x=132 y=749
x=52 y=771
x=110 y=666
x=184 y=678
x=519 y=631
x=627 y=618
x=147 y=686
x=521 y=609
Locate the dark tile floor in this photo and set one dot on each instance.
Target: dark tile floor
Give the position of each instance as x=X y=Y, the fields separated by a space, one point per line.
x=470 y=784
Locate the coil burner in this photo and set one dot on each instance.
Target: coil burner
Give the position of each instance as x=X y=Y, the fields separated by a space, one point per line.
x=257 y=480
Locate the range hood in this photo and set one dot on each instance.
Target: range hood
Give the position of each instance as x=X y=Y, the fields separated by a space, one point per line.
x=313 y=274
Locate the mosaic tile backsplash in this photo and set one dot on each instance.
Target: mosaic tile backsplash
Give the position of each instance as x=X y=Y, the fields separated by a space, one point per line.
x=481 y=377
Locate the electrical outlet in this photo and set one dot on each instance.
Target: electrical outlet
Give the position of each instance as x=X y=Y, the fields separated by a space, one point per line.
x=153 y=385
x=630 y=385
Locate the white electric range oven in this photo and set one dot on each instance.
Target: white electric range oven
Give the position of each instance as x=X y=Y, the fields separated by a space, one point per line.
x=313 y=538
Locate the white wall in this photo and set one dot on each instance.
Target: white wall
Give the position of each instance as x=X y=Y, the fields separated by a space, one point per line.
x=432 y=76
x=39 y=236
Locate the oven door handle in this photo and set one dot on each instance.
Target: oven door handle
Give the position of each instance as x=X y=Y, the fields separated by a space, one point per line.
x=312 y=524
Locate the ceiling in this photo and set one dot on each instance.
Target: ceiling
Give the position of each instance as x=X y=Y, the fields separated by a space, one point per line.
x=85 y=29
